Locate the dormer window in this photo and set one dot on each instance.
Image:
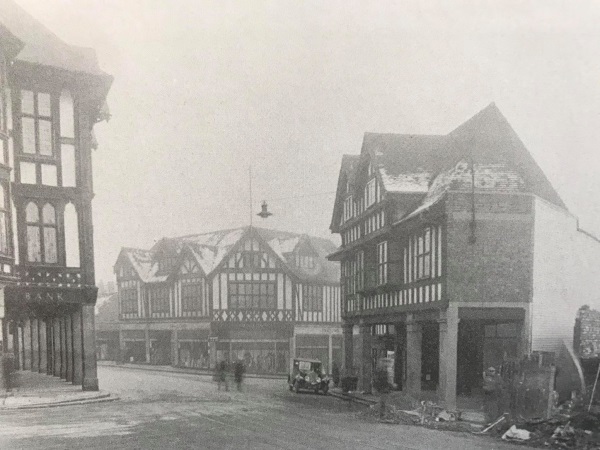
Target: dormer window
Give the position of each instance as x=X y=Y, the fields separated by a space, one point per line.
x=370 y=170
x=166 y=264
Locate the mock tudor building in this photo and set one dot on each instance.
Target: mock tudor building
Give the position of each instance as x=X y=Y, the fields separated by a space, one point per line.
x=457 y=254
x=51 y=95
x=250 y=293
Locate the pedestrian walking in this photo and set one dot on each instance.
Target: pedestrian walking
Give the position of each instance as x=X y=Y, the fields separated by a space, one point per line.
x=221 y=375
x=238 y=374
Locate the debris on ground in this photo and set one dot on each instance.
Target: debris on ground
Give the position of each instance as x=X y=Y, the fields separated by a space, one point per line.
x=445 y=416
x=516 y=434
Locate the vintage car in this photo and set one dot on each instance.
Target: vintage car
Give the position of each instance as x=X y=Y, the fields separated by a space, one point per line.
x=307 y=374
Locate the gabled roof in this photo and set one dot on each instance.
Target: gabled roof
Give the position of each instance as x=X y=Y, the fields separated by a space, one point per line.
x=41 y=46
x=211 y=249
x=432 y=164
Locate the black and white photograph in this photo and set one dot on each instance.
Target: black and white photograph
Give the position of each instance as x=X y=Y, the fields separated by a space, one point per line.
x=320 y=224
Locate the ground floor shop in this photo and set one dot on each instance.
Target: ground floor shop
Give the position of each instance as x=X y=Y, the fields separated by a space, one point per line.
x=445 y=352
x=265 y=348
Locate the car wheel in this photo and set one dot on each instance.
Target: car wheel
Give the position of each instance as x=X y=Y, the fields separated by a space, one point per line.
x=325 y=389
x=296 y=387
x=291 y=387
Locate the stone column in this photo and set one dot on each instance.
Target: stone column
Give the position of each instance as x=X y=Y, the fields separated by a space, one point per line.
x=69 y=346
x=35 y=346
x=63 y=348
x=27 y=344
x=122 y=348
x=174 y=349
x=330 y=368
x=77 y=348
x=348 y=349
x=90 y=369
x=17 y=345
x=366 y=367
x=212 y=354
x=448 y=357
x=414 y=336
x=147 y=337
x=49 y=346
x=56 y=347
x=43 y=346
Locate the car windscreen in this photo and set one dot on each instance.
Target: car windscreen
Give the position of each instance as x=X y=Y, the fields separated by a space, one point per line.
x=304 y=365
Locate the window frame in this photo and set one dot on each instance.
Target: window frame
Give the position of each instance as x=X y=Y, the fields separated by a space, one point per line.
x=192 y=302
x=312 y=298
x=423 y=252
x=41 y=226
x=382 y=263
x=163 y=302
x=235 y=295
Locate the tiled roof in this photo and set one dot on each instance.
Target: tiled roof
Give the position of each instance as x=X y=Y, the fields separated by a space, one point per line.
x=413 y=163
x=43 y=47
x=210 y=249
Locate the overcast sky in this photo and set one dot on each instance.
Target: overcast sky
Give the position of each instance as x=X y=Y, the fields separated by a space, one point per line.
x=204 y=89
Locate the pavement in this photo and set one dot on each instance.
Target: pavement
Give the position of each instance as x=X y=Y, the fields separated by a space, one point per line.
x=36 y=390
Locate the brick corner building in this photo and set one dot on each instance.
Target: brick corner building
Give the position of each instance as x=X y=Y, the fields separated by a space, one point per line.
x=457 y=254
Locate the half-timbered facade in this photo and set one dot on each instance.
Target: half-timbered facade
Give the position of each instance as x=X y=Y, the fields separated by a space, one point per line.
x=445 y=258
x=250 y=293
x=51 y=95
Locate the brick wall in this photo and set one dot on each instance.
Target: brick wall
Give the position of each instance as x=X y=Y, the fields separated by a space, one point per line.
x=586 y=338
x=497 y=267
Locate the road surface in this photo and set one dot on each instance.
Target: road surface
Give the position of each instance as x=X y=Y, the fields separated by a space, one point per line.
x=160 y=410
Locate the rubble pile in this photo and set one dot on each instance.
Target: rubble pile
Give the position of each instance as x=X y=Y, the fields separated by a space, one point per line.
x=580 y=430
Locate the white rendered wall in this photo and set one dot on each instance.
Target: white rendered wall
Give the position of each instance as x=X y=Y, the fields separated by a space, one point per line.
x=566 y=275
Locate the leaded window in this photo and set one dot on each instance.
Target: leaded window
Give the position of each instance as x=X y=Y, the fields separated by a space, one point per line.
x=4 y=247
x=423 y=255
x=312 y=298
x=129 y=299
x=41 y=233
x=253 y=294
x=382 y=263
x=159 y=299
x=191 y=296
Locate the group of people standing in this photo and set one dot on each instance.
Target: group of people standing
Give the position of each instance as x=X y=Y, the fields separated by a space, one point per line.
x=222 y=374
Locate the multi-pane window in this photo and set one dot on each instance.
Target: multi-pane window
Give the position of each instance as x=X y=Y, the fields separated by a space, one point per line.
x=360 y=271
x=382 y=263
x=349 y=276
x=305 y=261
x=252 y=295
x=159 y=299
x=129 y=298
x=36 y=123
x=371 y=192
x=41 y=233
x=39 y=149
x=348 y=208
x=191 y=296
x=312 y=298
x=423 y=254
x=4 y=248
